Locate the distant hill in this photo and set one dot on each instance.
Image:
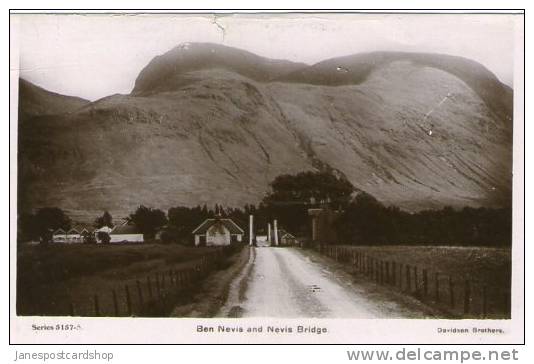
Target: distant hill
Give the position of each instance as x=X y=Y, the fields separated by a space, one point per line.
x=417 y=131
x=36 y=101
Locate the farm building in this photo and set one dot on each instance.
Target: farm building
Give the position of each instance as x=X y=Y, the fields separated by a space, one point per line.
x=287 y=239
x=59 y=236
x=126 y=234
x=217 y=232
x=76 y=234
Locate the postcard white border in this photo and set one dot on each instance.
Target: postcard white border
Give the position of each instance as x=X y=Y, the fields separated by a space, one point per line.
x=340 y=331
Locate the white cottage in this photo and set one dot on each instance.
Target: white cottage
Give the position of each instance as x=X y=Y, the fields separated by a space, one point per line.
x=59 y=236
x=217 y=232
x=126 y=234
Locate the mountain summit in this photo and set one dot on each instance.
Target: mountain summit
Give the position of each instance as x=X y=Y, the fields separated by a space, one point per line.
x=171 y=70
x=212 y=124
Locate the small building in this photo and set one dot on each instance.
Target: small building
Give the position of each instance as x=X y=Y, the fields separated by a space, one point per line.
x=59 y=236
x=288 y=239
x=217 y=232
x=73 y=236
x=126 y=234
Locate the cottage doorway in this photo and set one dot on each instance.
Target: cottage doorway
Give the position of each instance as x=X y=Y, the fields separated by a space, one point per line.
x=219 y=239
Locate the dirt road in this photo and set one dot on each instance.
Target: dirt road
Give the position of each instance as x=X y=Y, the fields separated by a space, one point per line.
x=286 y=282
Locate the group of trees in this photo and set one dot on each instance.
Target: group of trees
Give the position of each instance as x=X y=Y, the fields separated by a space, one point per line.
x=363 y=220
x=366 y=221
x=42 y=224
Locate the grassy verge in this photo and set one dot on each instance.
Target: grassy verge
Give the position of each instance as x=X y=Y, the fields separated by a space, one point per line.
x=51 y=280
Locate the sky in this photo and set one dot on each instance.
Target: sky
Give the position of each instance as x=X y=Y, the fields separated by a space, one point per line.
x=93 y=56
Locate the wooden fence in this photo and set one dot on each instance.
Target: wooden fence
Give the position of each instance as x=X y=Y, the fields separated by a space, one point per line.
x=148 y=295
x=454 y=296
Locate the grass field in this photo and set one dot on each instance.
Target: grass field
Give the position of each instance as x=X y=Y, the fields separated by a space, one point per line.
x=484 y=268
x=49 y=278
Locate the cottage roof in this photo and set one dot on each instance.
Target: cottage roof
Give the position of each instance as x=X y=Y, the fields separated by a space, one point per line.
x=228 y=223
x=86 y=227
x=59 y=231
x=288 y=235
x=125 y=229
x=73 y=231
x=105 y=229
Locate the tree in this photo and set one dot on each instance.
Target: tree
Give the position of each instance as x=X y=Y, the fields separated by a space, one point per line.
x=48 y=219
x=311 y=187
x=148 y=220
x=292 y=195
x=366 y=221
x=27 y=228
x=103 y=237
x=182 y=221
x=89 y=238
x=105 y=220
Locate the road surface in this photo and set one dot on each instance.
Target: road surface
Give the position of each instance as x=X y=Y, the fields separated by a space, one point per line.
x=285 y=282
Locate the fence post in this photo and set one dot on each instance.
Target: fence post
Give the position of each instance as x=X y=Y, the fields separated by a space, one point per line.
x=149 y=287
x=97 y=306
x=128 y=301
x=415 y=277
x=451 y=291
x=178 y=278
x=379 y=267
x=436 y=286
x=425 y=282
x=401 y=266
x=71 y=309
x=484 y=301
x=115 y=303
x=139 y=292
x=467 y=296
x=394 y=276
x=158 y=288
x=377 y=271
x=408 y=279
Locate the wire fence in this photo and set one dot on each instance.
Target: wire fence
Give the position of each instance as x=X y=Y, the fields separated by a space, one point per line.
x=455 y=296
x=148 y=295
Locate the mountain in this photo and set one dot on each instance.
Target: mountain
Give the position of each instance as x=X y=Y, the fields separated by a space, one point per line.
x=36 y=101
x=217 y=127
x=172 y=69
